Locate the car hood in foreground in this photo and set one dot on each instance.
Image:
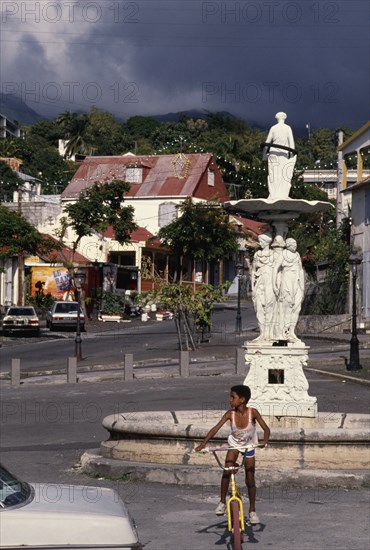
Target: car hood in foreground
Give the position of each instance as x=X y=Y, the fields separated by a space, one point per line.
x=61 y=515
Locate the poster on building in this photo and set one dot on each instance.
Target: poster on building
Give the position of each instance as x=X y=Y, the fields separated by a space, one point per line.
x=109 y=278
x=45 y=279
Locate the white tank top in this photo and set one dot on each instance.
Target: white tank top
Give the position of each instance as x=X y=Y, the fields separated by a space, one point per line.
x=241 y=437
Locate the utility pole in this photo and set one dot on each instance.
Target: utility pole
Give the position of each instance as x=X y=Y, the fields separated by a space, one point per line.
x=20 y=255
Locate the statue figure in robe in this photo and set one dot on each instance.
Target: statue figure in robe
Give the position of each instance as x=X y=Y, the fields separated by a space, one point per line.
x=281 y=156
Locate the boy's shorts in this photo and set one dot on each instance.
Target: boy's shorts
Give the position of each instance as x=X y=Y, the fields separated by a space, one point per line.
x=250 y=454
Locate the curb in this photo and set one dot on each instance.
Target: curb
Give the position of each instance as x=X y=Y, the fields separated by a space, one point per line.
x=338 y=375
x=173 y=474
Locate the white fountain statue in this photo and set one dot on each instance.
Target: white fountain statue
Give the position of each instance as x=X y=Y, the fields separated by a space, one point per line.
x=277 y=356
x=281 y=156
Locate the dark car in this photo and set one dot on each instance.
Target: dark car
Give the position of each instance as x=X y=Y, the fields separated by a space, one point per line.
x=21 y=320
x=63 y=315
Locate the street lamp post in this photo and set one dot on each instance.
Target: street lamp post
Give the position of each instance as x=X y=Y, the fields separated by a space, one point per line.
x=240 y=272
x=354 y=356
x=79 y=279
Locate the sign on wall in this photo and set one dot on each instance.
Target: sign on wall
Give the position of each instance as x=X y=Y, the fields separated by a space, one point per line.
x=50 y=279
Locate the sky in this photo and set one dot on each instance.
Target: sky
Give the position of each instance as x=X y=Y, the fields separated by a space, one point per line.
x=252 y=59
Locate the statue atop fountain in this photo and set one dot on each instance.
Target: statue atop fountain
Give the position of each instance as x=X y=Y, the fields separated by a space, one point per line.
x=281 y=156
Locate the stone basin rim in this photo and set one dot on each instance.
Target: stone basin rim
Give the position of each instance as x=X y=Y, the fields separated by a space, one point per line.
x=189 y=425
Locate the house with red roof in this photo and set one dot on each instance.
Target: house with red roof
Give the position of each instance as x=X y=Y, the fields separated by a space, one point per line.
x=158 y=185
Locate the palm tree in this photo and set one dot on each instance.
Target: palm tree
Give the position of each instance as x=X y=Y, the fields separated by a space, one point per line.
x=76 y=132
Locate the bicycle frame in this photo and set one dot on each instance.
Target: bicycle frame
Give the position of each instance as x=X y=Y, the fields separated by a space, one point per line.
x=235 y=497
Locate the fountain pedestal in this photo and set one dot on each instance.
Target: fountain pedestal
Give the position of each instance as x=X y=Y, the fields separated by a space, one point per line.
x=278 y=384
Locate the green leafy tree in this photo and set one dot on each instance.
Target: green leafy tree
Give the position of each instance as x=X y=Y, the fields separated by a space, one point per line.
x=104 y=131
x=97 y=208
x=192 y=310
x=9 y=182
x=76 y=131
x=48 y=130
x=42 y=161
x=18 y=236
x=9 y=147
x=333 y=249
x=201 y=232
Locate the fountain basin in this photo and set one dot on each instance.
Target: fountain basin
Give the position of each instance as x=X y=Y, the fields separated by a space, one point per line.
x=331 y=441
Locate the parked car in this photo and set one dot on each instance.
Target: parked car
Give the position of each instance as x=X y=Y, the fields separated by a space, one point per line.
x=63 y=315
x=21 y=320
x=62 y=516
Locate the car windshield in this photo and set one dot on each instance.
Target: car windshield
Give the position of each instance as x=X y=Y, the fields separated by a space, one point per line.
x=12 y=490
x=66 y=308
x=21 y=311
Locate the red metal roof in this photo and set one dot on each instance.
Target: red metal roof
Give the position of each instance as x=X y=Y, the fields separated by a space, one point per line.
x=251 y=225
x=139 y=234
x=64 y=254
x=158 y=176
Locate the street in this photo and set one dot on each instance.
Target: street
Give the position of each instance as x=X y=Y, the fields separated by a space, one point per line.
x=106 y=343
x=45 y=428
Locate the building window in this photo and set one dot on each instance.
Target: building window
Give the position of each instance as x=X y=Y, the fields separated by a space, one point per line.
x=211 y=177
x=134 y=174
x=167 y=212
x=329 y=189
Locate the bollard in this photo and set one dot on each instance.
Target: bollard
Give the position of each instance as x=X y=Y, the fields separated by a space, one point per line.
x=240 y=361
x=16 y=373
x=129 y=366
x=72 y=370
x=184 y=364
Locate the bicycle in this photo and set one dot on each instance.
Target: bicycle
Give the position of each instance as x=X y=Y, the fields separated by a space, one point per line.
x=234 y=504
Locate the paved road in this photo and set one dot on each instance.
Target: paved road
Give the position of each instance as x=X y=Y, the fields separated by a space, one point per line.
x=45 y=429
x=106 y=343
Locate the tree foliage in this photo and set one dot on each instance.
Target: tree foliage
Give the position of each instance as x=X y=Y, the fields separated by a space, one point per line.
x=18 y=236
x=97 y=208
x=202 y=231
x=332 y=251
x=192 y=309
x=9 y=182
x=41 y=160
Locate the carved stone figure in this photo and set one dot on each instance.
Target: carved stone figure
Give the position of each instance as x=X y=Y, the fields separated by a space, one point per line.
x=281 y=160
x=289 y=289
x=263 y=295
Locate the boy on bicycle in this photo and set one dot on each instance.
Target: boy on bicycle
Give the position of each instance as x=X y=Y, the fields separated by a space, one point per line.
x=243 y=433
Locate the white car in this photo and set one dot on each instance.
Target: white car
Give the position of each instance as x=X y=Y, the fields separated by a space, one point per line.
x=63 y=315
x=21 y=320
x=62 y=516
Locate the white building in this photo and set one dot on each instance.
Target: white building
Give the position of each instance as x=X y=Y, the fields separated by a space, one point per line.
x=9 y=129
x=354 y=199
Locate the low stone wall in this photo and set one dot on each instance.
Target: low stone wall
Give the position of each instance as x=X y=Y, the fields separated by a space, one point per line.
x=323 y=324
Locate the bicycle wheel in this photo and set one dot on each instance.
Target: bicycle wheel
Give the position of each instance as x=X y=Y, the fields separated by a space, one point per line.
x=237 y=533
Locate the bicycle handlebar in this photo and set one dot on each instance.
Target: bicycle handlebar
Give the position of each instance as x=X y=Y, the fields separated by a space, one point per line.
x=242 y=449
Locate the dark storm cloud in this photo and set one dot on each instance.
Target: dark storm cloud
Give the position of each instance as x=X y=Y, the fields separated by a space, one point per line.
x=250 y=58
